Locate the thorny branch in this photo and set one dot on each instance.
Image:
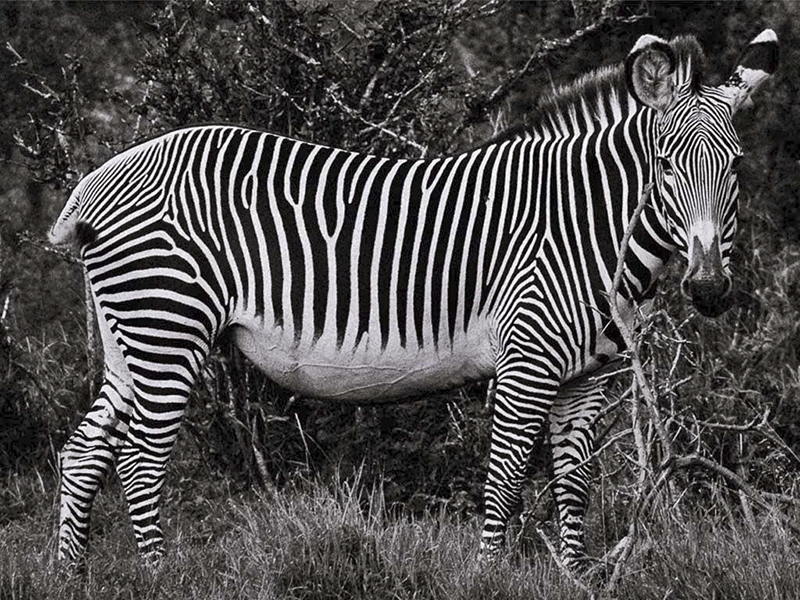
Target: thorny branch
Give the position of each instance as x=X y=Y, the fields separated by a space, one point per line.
x=381 y=127
x=670 y=463
x=759 y=425
x=64 y=254
x=543 y=50
x=625 y=331
x=642 y=385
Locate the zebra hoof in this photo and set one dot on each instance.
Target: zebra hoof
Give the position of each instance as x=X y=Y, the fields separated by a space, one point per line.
x=153 y=558
x=490 y=552
x=73 y=567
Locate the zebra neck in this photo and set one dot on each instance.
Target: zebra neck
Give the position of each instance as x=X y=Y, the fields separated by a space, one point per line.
x=593 y=167
x=649 y=251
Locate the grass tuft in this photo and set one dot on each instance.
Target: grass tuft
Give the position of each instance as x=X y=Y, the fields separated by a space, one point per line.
x=341 y=541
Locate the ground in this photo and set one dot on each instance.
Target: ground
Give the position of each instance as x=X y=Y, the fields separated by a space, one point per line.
x=313 y=541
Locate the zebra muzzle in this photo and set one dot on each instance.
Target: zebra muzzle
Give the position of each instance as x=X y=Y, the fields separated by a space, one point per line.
x=706 y=284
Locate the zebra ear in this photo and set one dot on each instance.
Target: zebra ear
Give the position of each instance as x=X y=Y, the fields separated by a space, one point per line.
x=649 y=71
x=756 y=64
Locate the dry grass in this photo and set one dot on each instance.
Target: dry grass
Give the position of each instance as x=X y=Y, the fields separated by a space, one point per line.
x=342 y=542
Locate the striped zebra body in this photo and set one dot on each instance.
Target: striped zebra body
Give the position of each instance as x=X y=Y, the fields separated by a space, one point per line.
x=361 y=279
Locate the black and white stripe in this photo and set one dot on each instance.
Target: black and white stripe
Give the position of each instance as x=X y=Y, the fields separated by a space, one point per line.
x=359 y=278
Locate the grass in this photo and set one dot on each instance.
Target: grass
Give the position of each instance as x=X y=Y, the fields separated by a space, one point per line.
x=318 y=542
x=716 y=562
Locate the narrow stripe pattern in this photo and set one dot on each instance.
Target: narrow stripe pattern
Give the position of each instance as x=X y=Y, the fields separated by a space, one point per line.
x=362 y=279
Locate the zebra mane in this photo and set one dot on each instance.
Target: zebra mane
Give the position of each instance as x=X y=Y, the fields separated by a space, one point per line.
x=603 y=86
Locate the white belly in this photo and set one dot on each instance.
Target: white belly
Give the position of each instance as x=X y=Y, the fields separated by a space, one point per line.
x=367 y=373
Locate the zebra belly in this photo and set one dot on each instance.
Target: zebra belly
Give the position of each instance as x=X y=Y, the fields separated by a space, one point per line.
x=322 y=369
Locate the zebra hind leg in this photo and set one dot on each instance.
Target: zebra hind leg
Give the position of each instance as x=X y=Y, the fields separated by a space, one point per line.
x=162 y=380
x=519 y=415
x=572 y=435
x=87 y=458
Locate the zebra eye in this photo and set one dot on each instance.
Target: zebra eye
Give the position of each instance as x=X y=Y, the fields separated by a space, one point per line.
x=665 y=165
x=736 y=163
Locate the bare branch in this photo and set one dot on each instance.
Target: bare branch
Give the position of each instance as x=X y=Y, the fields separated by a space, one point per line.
x=62 y=253
x=625 y=331
x=644 y=387
x=752 y=425
x=18 y=60
x=562 y=567
x=379 y=127
x=696 y=460
x=47 y=94
x=761 y=425
x=543 y=50
x=611 y=441
x=26 y=149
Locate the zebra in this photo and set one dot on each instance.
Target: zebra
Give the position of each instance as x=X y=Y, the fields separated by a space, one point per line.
x=355 y=278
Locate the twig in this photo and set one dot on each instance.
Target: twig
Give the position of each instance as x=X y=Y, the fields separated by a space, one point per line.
x=379 y=127
x=543 y=50
x=610 y=407
x=751 y=426
x=638 y=438
x=139 y=116
x=303 y=438
x=258 y=16
x=62 y=253
x=550 y=484
x=693 y=460
x=761 y=426
x=47 y=94
x=258 y=453
x=380 y=71
x=625 y=331
x=4 y=312
x=18 y=60
x=562 y=567
x=741 y=471
x=642 y=385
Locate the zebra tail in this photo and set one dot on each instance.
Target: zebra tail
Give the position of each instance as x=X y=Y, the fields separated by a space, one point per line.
x=69 y=228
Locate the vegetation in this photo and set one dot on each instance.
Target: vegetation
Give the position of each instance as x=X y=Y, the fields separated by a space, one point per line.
x=342 y=541
x=378 y=502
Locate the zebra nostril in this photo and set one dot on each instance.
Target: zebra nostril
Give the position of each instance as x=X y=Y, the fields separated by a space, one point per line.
x=710 y=296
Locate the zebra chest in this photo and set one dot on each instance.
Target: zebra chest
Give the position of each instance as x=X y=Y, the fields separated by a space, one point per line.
x=367 y=372
x=608 y=342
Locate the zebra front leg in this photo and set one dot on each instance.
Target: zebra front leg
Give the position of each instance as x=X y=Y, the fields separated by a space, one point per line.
x=572 y=434
x=86 y=460
x=524 y=396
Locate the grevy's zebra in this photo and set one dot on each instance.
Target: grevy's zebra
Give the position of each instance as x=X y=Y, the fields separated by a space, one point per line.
x=359 y=279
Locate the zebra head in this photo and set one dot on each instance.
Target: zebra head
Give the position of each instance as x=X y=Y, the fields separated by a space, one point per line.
x=696 y=152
